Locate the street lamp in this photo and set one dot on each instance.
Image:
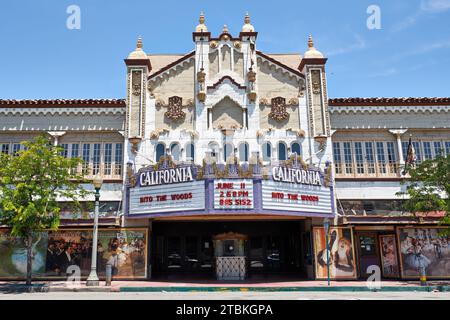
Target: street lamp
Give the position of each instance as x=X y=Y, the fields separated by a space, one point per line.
x=92 y=280
x=326 y=226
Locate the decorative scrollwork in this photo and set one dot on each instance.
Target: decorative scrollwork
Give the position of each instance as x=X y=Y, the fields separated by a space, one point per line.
x=175 y=112
x=278 y=111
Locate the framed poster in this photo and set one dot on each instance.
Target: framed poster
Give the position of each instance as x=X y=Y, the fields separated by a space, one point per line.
x=341 y=253
x=426 y=247
x=55 y=251
x=388 y=256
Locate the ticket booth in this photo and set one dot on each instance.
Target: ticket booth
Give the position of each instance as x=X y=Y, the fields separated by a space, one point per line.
x=230 y=256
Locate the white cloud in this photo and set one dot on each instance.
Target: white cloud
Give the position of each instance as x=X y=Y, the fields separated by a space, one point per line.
x=384 y=73
x=426 y=7
x=435 y=5
x=359 y=44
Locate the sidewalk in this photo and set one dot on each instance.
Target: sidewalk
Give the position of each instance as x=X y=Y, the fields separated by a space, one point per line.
x=214 y=286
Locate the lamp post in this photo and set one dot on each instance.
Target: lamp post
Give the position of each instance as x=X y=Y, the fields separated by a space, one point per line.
x=326 y=226
x=92 y=280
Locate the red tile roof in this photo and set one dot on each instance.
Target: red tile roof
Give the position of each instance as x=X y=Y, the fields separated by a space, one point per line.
x=389 y=101
x=74 y=103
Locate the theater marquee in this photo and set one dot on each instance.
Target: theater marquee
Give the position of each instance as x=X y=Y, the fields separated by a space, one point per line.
x=167 y=190
x=296 y=190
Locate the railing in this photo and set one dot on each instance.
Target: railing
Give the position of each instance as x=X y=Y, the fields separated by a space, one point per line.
x=107 y=171
x=367 y=170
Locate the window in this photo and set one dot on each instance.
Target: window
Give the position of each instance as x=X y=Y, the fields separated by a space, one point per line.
x=175 y=151
x=447 y=148
x=427 y=151
x=405 y=149
x=392 y=158
x=107 y=159
x=243 y=151
x=266 y=151
x=190 y=152
x=370 y=158
x=75 y=150
x=381 y=157
x=160 y=151
x=418 y=151
x=295 y=148
x=227 y=151
x=438 y=148
x=282 y=152
x=96 y=159
x=86 y=155
x=16 y=149
x=348 y=157
x=337 y=157
x=359 y=157
x=5 y=148
x=118 y=159
x=65 y=150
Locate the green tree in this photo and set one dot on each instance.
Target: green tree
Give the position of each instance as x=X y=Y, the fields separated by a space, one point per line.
x=31 y=181
x=429 y=187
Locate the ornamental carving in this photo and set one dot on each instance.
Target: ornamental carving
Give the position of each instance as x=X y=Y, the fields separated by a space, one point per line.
x=237 y=44
x=213 y=44
x=264 y=102
x=315 y=81
x=251 y=75
x=175 y=112
x=278 y=111
x=136 y=85
x=201 y=75
x=293 y=102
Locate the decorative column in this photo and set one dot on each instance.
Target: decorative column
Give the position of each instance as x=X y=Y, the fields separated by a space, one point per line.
x=398 y=134
x=56 y=135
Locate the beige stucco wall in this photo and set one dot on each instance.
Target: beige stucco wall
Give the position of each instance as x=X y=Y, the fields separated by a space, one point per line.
x=292 y=122
x=274 y=83
x=179 y=82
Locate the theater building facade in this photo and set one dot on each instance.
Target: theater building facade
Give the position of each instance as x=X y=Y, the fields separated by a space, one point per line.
x=225 y=163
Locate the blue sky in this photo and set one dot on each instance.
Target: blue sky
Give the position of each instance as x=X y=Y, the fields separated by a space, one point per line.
x=41 y=58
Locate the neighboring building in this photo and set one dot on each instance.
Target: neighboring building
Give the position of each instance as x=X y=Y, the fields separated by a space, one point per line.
x=222 y=161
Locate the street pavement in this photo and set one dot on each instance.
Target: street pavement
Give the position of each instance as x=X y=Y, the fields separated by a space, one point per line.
x=411 y=295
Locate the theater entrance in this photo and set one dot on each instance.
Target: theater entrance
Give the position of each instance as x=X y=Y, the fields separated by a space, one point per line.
x=190 y=248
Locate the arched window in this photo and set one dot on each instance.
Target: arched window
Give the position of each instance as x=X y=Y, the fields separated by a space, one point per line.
x=175 y=151
x=282 y=151
x=266 y=151
x=296 y=148
x=190 y=152
x=160 y=151
x=227 y=151
x=243 y=151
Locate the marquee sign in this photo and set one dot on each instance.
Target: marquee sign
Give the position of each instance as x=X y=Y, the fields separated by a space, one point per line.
x=296 y=189
x=233 y=194
x=165 y=190
x=293 y=188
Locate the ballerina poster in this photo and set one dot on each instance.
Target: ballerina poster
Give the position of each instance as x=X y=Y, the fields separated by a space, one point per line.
x=341 y=253
x=424 y=247
x=13 y=255
x=389 y=256
x=55 y=251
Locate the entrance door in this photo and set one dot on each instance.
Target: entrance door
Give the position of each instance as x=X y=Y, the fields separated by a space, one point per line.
x=367 y=252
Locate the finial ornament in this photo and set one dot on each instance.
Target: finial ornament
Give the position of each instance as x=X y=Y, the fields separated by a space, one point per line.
x=247 y=27
x=225 y=29
x=139 y=42
x=247 y=18
x=201 y=27
x=310 y=42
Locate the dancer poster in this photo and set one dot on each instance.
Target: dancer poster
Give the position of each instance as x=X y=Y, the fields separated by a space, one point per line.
x=341 y=253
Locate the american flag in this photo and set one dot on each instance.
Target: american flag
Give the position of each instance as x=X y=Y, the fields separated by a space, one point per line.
x=411 y=155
